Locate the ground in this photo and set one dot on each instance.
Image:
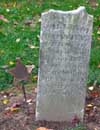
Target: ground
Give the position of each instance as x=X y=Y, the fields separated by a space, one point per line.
x=14 y=115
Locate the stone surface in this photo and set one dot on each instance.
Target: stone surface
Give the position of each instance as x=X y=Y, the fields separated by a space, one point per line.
x=65 y=43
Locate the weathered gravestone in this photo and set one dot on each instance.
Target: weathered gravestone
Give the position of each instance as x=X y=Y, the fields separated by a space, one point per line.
x=65 y=43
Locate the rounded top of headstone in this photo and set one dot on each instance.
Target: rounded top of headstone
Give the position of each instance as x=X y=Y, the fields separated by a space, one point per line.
x=76 y=11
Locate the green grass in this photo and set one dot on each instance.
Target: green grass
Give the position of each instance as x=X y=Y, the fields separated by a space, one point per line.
x=78 y=127
x=17 y=12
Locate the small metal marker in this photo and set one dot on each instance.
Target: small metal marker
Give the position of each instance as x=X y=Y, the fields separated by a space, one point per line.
x=20 y=73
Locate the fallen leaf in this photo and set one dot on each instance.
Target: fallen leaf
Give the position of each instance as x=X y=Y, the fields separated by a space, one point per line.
x=4 y=66
x=39 y=20
x=95 y=109
x=7 y=10
x=87 y=110
x=95 y=94
x=7 y=113
x=2 y=52
x=33 y=47
x=7 y=109
x=29 y=101
x=35 y=90
x=28 y=9
x=14 y=4
x=35 y=77
x=42 y=128
x=11 y=62
x=18 y=40
x=30 y=68
x=38 y=36
x=98 y=38
x=5 y=96
x=98 y=32
x=15 y=105
x=15 y=23
x=89 y=105
x=5 y=101
x=98 y=66
x=3 y=18
x=14 y=109
x=28 y=22
x=91 y=88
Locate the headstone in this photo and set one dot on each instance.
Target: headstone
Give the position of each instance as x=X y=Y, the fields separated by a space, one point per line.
x=65 y=43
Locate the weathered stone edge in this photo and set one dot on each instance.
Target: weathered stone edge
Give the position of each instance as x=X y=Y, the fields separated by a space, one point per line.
x=76 y=11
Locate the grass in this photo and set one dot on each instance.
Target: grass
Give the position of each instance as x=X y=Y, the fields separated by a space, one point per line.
x=16 y=36
x=78 y=127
